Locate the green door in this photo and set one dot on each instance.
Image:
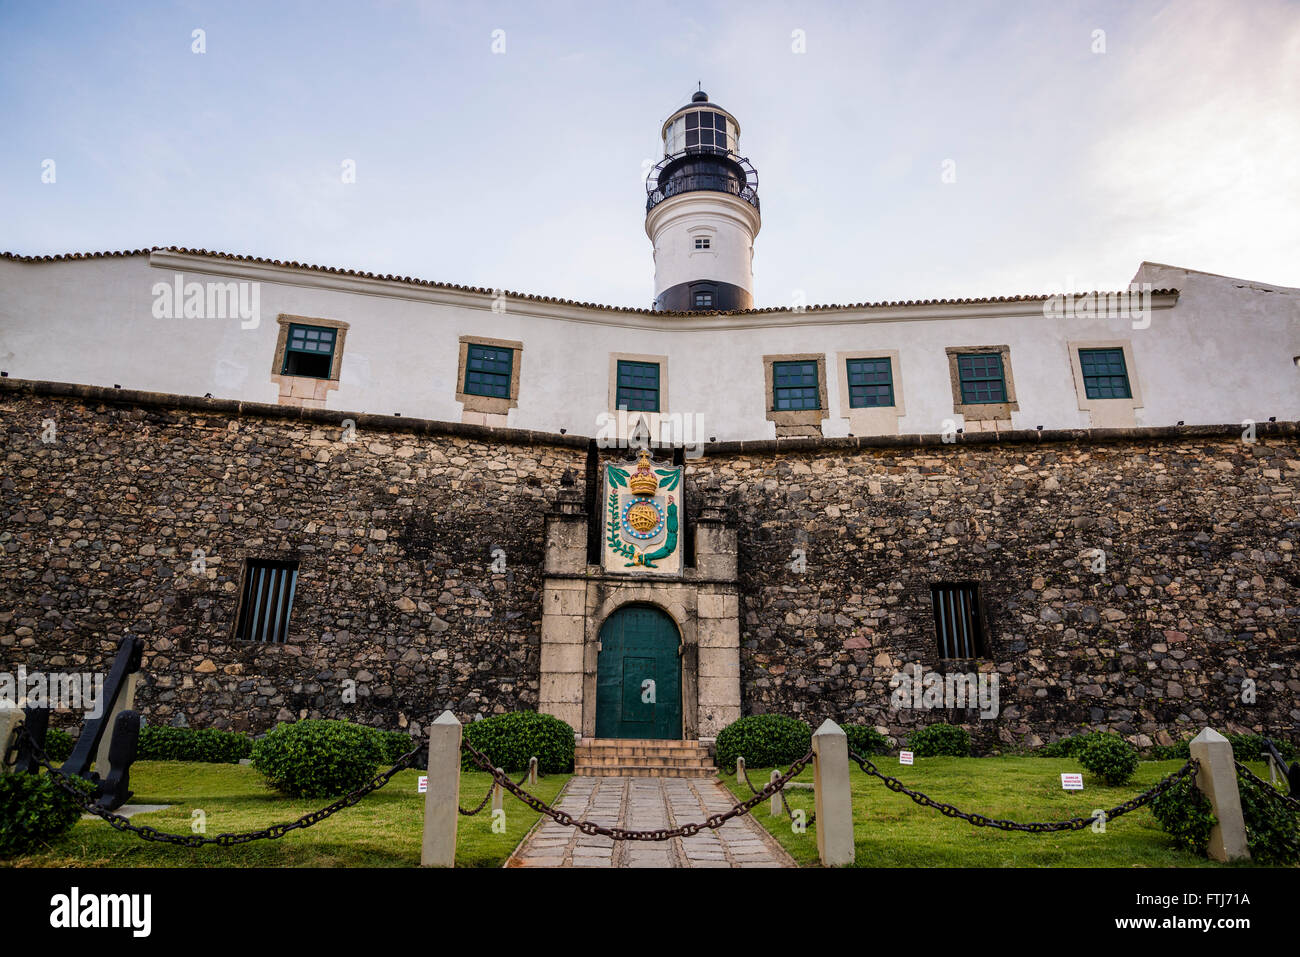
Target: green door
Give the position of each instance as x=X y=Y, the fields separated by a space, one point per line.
x=638 y=676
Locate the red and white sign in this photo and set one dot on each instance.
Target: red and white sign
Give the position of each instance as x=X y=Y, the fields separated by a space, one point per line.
x=423 y=787
x=1072 y=782
x=904 y=757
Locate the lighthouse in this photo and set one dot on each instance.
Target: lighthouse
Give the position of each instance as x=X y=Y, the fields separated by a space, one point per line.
x=702 y=213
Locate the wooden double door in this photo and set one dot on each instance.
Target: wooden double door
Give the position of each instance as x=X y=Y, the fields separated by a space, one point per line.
x=639 y=675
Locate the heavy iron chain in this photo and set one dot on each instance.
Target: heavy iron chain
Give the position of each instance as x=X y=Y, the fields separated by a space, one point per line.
x=147 y=833
x=1035 y=827
x=481 y=804
x=713 y=822
x=487 y=797
x=784 y=803
x=790 y=814
x=1250 y=775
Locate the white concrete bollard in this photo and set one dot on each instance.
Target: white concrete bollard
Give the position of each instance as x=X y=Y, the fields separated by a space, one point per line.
x=10 y=718
x=532 y=772
x=833 y=795
x=776 y=798
x=498 y=794
x=740 y=768
x=1217 y=779
x=442 y=800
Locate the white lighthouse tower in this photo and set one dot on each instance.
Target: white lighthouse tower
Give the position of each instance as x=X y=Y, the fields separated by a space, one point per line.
x=702 y=213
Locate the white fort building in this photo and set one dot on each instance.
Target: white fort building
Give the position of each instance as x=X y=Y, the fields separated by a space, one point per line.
x=288 y=477
x=1177 y=346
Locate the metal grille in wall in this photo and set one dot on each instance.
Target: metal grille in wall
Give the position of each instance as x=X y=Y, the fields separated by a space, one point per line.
x=958 y=621
x=267 y=601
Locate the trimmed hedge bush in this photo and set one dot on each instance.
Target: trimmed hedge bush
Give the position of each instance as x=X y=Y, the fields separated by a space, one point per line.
x=1178 y=751
x=939 y=739
x=1109 y=757
x=1272 y=829
x=34 y=811
x=1185 y=813
x=865 y=740
x=393 y=744
x=1245 y=747
x=1250 y=747
x=1069 y=746
x=318 y=758
x=58 y=744
x=509 y=740
x=764 y=740
x=163 y=743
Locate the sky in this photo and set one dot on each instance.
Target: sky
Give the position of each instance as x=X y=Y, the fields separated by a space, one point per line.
x=909 y=150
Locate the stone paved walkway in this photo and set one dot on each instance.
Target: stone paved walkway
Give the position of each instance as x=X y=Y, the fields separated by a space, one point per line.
x=647 y=804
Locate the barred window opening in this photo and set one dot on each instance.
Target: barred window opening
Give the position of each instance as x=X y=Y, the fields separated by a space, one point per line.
x=266 y=601
x=958 y=620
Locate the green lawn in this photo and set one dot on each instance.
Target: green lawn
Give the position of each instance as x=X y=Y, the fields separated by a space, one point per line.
x=383 y=830
x=891 y=830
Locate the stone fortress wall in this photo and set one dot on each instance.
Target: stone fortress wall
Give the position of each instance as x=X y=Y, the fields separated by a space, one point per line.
x=395 y=522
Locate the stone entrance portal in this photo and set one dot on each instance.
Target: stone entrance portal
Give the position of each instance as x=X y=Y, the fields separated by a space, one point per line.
x=639 y=675
x=643 y=572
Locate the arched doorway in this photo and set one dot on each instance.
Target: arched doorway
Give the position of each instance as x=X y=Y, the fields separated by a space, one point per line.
x=639 y=675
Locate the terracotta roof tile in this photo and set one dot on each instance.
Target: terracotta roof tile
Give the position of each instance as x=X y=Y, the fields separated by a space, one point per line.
x=529 y=297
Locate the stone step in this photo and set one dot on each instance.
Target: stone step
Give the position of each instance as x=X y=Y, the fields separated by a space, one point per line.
x=643 y=771
x=625 y=767
x=701 y=761
x=646 y=762
x=642 y=757
x=657 y=752
x=600 y=743
x=642 y=752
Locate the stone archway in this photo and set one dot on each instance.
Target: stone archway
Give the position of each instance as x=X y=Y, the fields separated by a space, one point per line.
x=702 y=603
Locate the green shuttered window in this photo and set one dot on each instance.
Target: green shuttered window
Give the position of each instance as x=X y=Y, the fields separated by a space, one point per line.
x=309 y=351
x=638 y=386
x=488 y=370
x=871 y=383
x=982 y=380
x=1104 y=374
x=794 y=386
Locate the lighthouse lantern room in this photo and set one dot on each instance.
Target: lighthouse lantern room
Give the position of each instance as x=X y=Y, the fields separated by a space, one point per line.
x=702 y=213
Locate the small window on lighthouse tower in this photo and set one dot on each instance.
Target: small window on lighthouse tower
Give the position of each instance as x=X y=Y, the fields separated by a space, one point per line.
x=702 y=242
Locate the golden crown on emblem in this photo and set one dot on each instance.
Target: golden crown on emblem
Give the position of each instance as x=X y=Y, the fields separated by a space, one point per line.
x=643 y=481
